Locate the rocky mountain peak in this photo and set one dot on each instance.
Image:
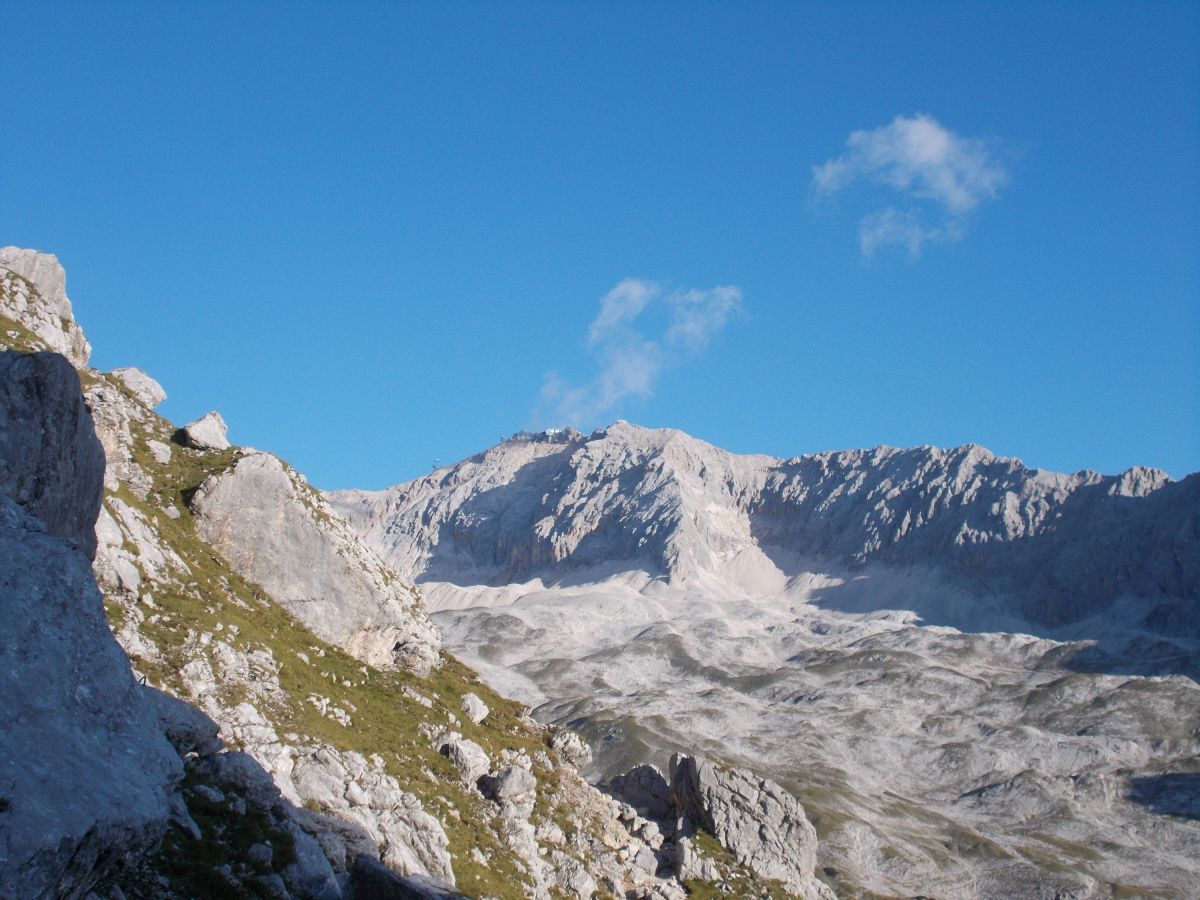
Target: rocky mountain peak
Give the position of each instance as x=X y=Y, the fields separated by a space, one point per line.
x=37 y=299
x=660 y=502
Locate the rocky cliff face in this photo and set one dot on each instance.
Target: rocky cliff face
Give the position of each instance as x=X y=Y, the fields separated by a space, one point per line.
x=1061 y=547
x=50 y=461
x=85 y=772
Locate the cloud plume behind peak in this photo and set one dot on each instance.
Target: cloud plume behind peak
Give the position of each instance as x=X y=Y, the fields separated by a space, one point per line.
x=628 y=360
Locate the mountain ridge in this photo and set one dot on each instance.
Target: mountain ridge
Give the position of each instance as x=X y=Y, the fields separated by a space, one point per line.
x=675 y=506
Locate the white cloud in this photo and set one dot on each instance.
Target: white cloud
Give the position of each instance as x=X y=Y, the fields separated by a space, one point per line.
x=697 y=315
x=905 y=228
x=940 y=177
x=630 y=363
x=623 y=303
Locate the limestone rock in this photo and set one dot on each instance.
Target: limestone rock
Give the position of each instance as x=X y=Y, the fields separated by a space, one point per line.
x=276 y=530
x=692 y=865
x=468 y=757
x=50 y=460
x=147 y=391
x=571 y=748
x=645 y=789
x=571 y=877
x=755 y=819
x=475 y=708
x=242 y=773
x=38 y=301
x=116 y=414
x=392 y=821
x=160 y=451
x=511 y=784
x=310 y=876
x=84 y=768
x=206 y=433
x=189 y=730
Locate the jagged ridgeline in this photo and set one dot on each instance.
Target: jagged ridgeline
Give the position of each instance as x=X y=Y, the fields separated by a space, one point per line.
x=275 y=716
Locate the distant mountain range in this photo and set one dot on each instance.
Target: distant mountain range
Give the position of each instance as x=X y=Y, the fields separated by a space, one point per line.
x=557 y=505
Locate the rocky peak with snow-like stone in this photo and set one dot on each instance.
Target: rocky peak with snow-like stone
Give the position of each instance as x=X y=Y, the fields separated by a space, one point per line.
x=660 y=501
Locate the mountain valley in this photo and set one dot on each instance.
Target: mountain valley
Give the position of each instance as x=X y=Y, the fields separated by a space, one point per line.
x=621 y=664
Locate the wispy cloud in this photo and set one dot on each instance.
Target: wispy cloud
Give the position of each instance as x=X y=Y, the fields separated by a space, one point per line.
x=629 y=362
x=938 y=179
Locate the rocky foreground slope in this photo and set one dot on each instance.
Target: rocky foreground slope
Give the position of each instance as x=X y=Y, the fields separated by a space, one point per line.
x=285 y=723
x=979 y=678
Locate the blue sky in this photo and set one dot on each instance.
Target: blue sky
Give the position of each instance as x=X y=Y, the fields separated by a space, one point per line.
x=372 y=235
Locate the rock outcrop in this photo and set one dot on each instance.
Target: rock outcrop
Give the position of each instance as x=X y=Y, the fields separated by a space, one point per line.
x=145 y=389
x=85 y=771
x=209 y=432
x=763 y=826
x=36 y=298
x=277 y=531
x=50 y=460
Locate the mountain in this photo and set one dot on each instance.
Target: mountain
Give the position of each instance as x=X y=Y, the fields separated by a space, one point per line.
x=979 y=678
x=1061 y=547
x=236 y=697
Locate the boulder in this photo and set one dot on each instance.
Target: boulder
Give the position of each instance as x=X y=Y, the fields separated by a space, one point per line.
x=474 y=708
x=760 y=823
x=242 y=774
x=310 y=875
x=147 y=391
x=51 y=462
x=572 y=748
x=512 y=784
x=188 y=729
x=644 y=788
x=468 y=757
x=205 y=433
x=276 y=530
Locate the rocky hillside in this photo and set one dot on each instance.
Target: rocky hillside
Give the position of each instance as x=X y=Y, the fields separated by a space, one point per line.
x=285 y=723
x=1060 y=548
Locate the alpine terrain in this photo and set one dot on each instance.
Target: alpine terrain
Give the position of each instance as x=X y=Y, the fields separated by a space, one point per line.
x=625 y=665
x=212 y=687
x=978 y=678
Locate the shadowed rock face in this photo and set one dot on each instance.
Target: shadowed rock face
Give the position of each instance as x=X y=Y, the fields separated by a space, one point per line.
x=51 y=462
x=84 y=766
